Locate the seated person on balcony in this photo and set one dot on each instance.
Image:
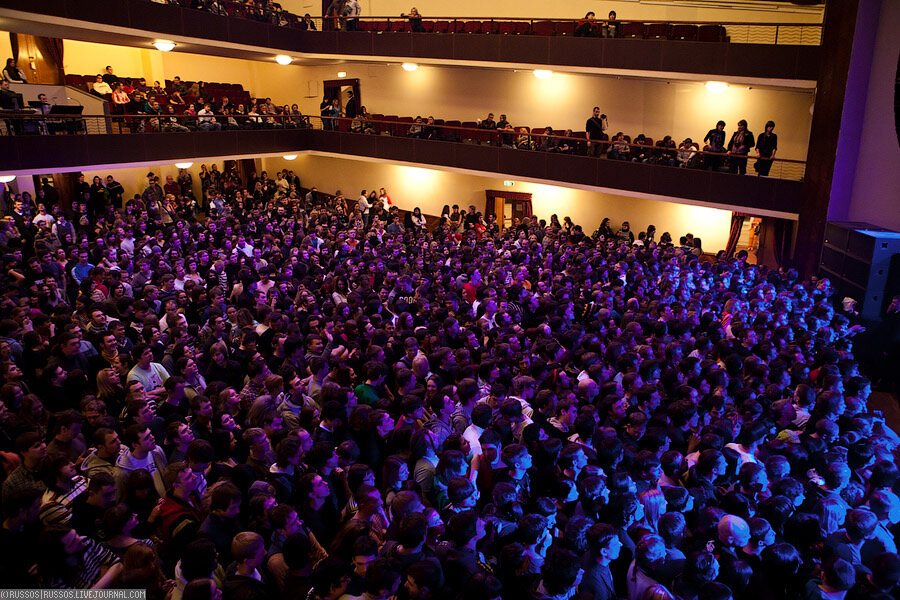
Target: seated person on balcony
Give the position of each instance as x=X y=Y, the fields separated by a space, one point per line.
x=715 y=142
x=488 y=123
x=506 y=139
x=119 y=98
x=270 y=119
x=278 y=17
x=611 y=27
x=217 y=8
x=665 y=152
x=619 y=150
x=206 y=121
x=687 y=154
x=567 y=145
x=739 y=147
x=101 y=88
x=155 y=111
x=298 y=118
x=766 y=147
x=640 y=154
x=417 y=129
x=142 y=86
x=523 y=141
x=431 y=131
x=254 y=119
x=136 y=104
x=13 y=73
x=109 y=77
x=178 y=90
x=550 y=142
x=226 y=103
x=415 y=20
x=306 y=23
x=171 y=122
x=589 y=26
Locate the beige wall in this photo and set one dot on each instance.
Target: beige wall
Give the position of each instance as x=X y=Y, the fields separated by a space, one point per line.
x=655 y=108
x=430 y=190
x=783 y=12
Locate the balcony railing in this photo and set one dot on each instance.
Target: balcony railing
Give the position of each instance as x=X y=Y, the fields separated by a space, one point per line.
x=702 y=31
x=519 y=138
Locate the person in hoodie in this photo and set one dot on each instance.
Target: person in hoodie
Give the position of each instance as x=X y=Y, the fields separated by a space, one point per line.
x=197 y=562
x=142 y=453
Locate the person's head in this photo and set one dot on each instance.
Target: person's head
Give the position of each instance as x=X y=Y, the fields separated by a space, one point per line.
x=733 y=531
x=424 y=579
x=248 y=550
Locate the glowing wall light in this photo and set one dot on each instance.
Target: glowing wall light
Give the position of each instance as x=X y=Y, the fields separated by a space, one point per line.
x=410 y=67
x=164 y=45
x=716 y=87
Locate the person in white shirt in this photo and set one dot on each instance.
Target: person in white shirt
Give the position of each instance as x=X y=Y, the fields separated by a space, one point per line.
x=100 y=87
x=42 y=216
x=206 y=120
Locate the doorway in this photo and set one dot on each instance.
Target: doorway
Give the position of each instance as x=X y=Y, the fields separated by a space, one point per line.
x=347 y=93
x=510 y=208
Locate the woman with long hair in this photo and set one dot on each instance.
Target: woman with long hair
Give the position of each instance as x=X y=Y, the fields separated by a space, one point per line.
x=110 y=390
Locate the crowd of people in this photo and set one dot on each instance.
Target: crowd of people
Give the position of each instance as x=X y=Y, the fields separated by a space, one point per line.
x=284 y=394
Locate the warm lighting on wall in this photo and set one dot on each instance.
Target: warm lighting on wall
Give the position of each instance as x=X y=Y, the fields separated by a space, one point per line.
x=7 y=178
x=342 y=74
x=716 y=87
x=184 y=165
x=289 y=156
x=283 y=59
x=543 y=74
x=508 y=183
x=164 y=45
x=409 y=66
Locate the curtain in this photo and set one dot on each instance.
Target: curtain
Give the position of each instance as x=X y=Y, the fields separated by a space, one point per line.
x=14 y=45
x=52 y=50
x=737 y=223
x=782 y=231
x=65 y=186
x=526 y=206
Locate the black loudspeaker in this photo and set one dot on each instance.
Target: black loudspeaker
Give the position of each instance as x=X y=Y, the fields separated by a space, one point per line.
x=863 y=262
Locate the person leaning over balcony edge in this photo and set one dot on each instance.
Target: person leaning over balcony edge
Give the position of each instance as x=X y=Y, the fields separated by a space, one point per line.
x=589 y=26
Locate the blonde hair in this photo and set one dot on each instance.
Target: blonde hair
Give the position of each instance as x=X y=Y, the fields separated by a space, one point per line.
x=654 y=502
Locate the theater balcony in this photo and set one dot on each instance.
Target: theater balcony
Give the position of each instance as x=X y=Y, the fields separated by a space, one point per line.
x=118 y=141
x=737 y=51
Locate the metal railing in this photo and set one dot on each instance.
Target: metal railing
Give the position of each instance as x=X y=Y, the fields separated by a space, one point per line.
x=519 y=138
x=708 y=31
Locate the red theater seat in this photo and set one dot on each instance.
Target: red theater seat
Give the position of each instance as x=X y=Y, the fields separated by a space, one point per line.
x=685 y=32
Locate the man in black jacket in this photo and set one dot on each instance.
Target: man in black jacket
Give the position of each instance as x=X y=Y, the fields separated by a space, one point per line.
x=595 y=127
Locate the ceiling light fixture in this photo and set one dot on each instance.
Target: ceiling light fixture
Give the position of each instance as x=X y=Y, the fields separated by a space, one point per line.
x=164 y=45
x=6 y=178
x=289 y=156
x=342 y=74
x=283 y=59
x=409 y=67
x=716 y=87
x=543 y=73
x=184 y=165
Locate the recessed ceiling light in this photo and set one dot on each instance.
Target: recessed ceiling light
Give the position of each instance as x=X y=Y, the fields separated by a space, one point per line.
x=164 y=45
x=409 y=66
x=184 y=165
x=543 y=74
x=6 y=178
x=289 y=156
x=283 y=59
x=716 y=86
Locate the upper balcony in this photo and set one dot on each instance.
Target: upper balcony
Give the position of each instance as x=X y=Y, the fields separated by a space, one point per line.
x=736 y=51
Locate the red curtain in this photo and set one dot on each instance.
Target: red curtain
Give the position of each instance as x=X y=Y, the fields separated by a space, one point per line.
x=782 y=243
x=14 y=45
x=737 y=223
x=52 y=49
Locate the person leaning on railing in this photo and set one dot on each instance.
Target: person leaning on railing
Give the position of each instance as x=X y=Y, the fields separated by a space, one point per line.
x=589 y=26
x=415 y=20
